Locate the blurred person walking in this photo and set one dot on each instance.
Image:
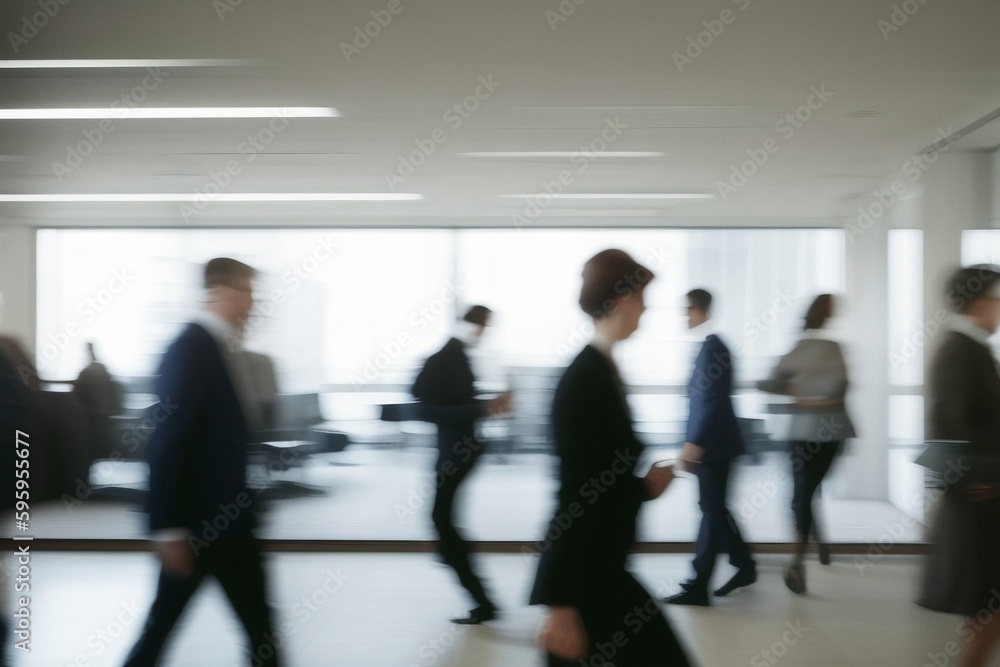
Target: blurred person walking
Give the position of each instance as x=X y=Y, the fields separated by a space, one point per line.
x=596 y=608
x=962 y=573
x=201 y=512
x=815 y=375
x=445 y=388
x=712 y=441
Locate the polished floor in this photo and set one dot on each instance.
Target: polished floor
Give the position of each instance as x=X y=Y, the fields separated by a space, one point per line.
x=391 y=610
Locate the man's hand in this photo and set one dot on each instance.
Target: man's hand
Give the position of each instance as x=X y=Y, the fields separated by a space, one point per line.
x=690 y=457
x=658 y=479
x=176 y=557
x=563 y=634
x=502 y=404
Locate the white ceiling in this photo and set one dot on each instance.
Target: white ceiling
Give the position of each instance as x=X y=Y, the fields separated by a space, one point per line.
x=611 y=59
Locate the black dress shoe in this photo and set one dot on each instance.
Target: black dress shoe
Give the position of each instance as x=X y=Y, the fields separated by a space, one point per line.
x=477 y=616
x=744 y=577
x=824 y=554
x=691 y=597
x=795 y=578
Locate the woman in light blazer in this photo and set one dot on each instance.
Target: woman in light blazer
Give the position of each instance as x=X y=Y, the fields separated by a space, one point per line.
x=815 y=375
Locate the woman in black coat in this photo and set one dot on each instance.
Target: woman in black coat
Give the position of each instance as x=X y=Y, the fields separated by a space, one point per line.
x=596 y=607
x=962 y=575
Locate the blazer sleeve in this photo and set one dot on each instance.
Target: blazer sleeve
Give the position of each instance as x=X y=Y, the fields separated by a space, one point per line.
x=183 y=394
x=956 y=396
x=783 y=372
x=708 y=393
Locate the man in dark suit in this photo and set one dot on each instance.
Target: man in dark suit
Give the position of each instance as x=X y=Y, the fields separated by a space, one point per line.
x=447 y=395
x=713 y=440
x=201 y=513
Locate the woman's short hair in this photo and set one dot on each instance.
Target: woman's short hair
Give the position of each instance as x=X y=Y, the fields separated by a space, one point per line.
x=820 y=310
x=608 y=276
x=970 y=283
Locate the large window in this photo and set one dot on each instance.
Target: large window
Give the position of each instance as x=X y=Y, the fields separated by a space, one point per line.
x=350 y=315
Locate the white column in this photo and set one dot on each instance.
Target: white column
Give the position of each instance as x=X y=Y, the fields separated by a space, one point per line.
x=17 y=284
x=865 y=473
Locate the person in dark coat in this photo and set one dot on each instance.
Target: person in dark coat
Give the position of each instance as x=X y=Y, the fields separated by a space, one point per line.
x=962 y=573
x=596 y=608
x=201 y=513
x=445 y=388
x=101 y=397
x=712 y=441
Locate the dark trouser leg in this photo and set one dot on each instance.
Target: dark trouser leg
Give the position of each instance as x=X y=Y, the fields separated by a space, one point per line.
x=237 y=566
x=454 y=550
x=718 y=530
x=172 y=595
x=810 y=463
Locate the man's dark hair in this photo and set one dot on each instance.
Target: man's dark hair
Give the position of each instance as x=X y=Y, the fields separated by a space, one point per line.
x=478 y=315
x=226 y=272
x=820 y=310
x=700 y=298
x=970 y=283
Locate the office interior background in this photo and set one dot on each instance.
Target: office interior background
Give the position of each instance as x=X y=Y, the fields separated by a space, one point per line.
x=385 y=164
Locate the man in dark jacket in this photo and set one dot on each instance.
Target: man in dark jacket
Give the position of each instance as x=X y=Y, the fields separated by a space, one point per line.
x=200 y=510
x=447 y=395
x=713 y=440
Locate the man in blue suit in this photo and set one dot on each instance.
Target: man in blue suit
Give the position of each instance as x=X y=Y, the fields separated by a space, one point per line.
x=713 y=440
x=201 y=513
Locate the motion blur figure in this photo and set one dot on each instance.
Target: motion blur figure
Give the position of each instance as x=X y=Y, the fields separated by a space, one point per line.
x=201 y=512
x=712 y=441
x=101 y=397
x=446 y=390
x=815 y=375
x=962 y=573
x=597 y=612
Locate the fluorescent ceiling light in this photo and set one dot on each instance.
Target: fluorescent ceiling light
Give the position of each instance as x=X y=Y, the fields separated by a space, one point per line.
x=635 y=196
x=223 y=197
x=603 y=154
x=169 y=112
x=120 y=63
